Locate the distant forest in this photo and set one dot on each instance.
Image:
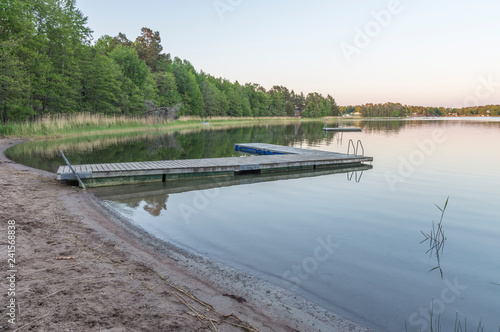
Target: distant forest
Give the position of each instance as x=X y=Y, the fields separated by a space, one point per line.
x=398 y=110
x=49 y=66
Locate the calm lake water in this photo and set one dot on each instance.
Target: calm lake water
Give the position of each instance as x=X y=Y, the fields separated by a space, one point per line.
x=350 y=241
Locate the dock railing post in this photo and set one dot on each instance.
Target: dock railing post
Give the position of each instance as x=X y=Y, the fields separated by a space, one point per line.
x=72 y=170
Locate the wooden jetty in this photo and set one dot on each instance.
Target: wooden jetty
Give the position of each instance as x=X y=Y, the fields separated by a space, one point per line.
x=269 y=158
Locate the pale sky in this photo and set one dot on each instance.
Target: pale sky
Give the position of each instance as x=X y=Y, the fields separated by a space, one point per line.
x=416 y=52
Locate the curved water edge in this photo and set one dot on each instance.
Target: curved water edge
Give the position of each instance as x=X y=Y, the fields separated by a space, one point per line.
x=281 y=305
x=234 y=281
x=378 y=273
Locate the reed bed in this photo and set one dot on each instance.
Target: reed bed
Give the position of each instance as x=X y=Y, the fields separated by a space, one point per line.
x=460 y=326
x=56 y=125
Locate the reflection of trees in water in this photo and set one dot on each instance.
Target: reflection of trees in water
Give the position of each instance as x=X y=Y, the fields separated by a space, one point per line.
x=200 y=143
x=394 y=126
x=167 y=141
x=376 y=126
x=188 y=144
x=50 y=148
x=193 y=144
x=154 y=205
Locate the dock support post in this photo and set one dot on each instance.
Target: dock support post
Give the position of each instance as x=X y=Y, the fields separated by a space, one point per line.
x=72 y=170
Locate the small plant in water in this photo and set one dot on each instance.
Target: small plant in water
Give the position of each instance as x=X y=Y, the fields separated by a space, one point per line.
x=459 y=326
x=436 y=238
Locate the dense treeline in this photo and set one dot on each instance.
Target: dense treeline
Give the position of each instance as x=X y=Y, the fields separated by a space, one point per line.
x=48 y=66
x=398 y=110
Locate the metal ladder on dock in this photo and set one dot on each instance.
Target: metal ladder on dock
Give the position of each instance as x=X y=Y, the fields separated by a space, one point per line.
x=359 y=144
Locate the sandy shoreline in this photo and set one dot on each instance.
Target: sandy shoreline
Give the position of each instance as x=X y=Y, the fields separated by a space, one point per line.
x=121 y=279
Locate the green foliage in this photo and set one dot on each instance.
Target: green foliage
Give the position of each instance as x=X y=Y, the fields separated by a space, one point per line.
x=44 y=45
x=233 y=99
x=318 y=106
x=194 y=96
x=277 y=100
x=136 y=81
x=214 y=100
x=13 y=83
x=257 y=98
x=64 y=37
x=131 y=66
x=289 y=109
x=49 y=67
x=102 y=85
x=168 y=94
x=382 y=110
x=188 y=88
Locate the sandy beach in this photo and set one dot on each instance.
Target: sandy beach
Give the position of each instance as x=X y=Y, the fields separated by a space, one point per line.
x=80 y=267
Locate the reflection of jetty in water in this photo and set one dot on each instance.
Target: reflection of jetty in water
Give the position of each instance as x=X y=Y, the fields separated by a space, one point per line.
x=155 y=195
